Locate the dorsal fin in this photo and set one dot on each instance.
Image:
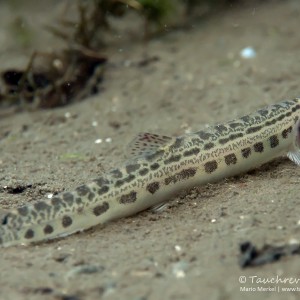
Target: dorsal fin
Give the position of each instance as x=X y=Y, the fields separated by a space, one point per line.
x=146 y=143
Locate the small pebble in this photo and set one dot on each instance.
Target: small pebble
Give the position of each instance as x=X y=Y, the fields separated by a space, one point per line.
x=248 y=53
x=294 y=241
x=177 y=248
x=67 y=115
x=179 y=269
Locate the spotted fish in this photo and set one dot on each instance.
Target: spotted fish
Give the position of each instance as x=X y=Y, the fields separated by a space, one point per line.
x=158 y=167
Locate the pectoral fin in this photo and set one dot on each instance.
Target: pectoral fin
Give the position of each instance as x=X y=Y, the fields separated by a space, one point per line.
x=294 y=156
x=146 y=143
x=294 y=153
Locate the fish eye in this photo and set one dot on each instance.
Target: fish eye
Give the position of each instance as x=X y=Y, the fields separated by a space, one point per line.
x=297 y=124
x=4 y=220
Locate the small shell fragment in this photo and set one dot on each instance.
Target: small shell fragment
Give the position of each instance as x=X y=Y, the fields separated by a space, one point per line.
x=98 y=141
